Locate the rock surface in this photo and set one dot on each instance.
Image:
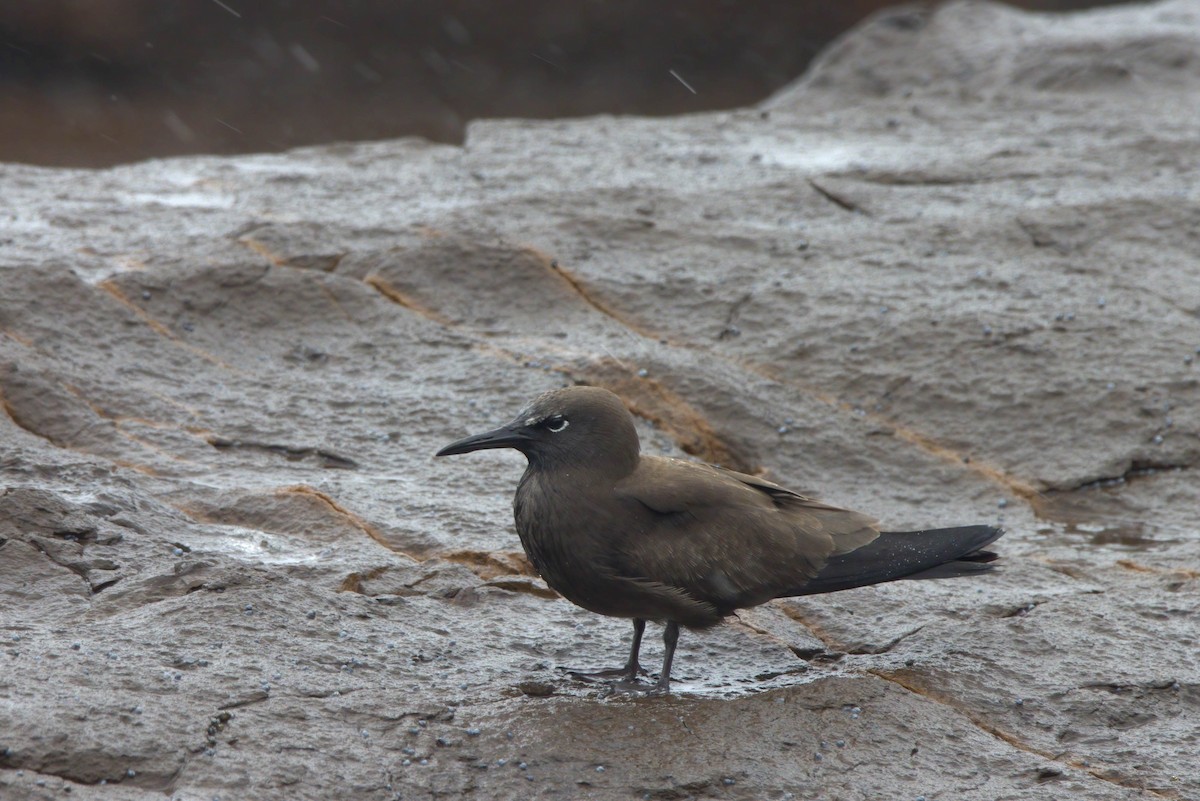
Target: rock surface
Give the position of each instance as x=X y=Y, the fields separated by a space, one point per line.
x=949 y=277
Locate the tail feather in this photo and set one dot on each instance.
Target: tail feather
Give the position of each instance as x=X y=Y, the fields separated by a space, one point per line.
x=933 y=554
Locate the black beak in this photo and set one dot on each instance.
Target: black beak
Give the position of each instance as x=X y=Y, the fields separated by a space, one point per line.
x=512 y=435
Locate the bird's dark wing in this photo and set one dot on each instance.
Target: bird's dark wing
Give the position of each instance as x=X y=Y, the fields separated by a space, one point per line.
x=727 y=538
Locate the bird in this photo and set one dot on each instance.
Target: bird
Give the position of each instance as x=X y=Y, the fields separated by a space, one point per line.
x=683 y=543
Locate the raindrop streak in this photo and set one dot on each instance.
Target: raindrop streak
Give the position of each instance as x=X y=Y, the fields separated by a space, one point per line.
x=227 y=8
x=679 y=78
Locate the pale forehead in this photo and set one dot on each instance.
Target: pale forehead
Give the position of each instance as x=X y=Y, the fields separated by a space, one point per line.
x=543 y=406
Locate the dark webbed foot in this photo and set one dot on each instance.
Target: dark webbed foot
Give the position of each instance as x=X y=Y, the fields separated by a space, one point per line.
x=663 y=685
x=627 y=674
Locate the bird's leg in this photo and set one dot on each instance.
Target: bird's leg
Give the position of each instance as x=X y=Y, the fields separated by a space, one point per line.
x=670 y=637
x=632 y=668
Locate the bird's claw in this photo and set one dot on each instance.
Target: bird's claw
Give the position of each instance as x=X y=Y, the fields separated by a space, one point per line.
x=594 y=676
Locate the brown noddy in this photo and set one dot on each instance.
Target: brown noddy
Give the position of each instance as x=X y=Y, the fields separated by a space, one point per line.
x=684 y=543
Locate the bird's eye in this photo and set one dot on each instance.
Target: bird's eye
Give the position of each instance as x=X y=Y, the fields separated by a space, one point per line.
x=556 y=423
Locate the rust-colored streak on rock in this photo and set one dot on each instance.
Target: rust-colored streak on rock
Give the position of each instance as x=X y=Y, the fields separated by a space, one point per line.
x=793 y=611
x=354 y=581
x=399 y=298
x=17 y=420
x=1138 y=567
x=524 y=585
x=12 y=415
x=350 y=517
x=929 y=445
x=337 y=304
x=656 y=403
x=911 y=682
x=580 y=289
x=758 y=631
x=15 y=337
x=262 y=250
x=1016 y=486
x=112 y=289
x=489 y=565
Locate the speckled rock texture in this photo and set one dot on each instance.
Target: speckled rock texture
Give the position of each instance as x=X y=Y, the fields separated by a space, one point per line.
x=952 y=276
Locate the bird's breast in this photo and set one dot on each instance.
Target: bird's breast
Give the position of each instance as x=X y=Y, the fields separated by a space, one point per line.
x=567 y=528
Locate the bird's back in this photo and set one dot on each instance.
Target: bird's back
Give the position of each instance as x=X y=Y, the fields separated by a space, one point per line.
x=730 y=539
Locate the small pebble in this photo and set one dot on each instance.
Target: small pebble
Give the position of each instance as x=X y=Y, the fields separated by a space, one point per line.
x=424 y=762
x=1158 y=439
x=728 y=781
x=1101 y=302
x=130 y=773
x=642 y=373
x=406 y=762
x=840 y=743
x=599 y=768
x=1002 y=503
x=783 y=429
x=145 y=294
x=1020 y=702
x=473 y=732
x=311 y=615
x=502 y=762
x=177 y=551
x=75 y=646
x=817 y=757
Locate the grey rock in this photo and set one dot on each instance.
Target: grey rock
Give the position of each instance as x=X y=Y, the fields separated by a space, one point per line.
x=229 y=565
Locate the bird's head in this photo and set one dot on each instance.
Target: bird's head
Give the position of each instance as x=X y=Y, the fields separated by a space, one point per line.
x=585 y=426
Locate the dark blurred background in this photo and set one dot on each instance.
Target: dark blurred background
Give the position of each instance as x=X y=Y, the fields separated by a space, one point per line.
x=98 y=82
